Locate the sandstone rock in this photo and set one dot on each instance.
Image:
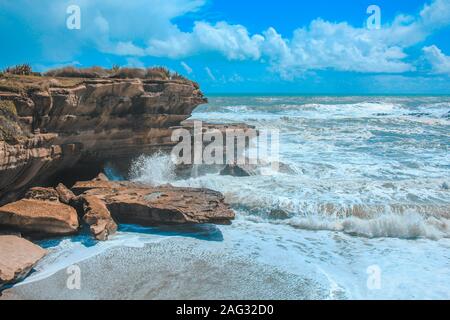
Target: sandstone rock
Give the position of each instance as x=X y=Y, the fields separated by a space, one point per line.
x=135 y=203
x=44 y=194
x=40 y=218
x=101 y=177
x=84 y=123
x=17 y=258
x=66 y=196
x=82 y=186
x=99 y=218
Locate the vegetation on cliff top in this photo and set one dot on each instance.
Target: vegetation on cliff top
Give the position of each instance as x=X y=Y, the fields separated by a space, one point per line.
x=21 y=78
x=116 y=72
x=21 y=83
x=10 y=131
x=21 y=69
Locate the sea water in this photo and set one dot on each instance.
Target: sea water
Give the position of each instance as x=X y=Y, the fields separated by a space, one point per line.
x=362 y=212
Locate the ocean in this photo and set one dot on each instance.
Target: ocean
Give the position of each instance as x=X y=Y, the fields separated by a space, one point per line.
x=362 y=212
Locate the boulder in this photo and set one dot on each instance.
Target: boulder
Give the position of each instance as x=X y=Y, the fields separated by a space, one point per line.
x=40 y=218
x=99 y=218
x=66 y=196
x=44 y=194
x=139 y=204
x=17 y=258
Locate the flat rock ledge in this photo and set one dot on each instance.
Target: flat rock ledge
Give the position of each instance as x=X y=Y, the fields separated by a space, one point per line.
x=135 y=203
x=102 y=204
x=39 y=218
x=17 y=258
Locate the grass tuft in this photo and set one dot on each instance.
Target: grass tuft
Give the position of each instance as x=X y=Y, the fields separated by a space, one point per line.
x=10 y=130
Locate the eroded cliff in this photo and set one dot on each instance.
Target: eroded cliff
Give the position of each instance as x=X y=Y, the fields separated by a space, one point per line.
x=58 y=126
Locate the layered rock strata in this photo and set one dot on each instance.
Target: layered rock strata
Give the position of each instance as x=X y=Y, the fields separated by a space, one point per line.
x=85 y=125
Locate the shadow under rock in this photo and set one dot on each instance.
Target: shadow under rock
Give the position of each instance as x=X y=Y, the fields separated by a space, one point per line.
x=84 y=237
x=207 y=232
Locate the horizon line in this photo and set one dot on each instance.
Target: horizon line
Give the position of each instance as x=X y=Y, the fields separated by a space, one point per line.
x=299 y=94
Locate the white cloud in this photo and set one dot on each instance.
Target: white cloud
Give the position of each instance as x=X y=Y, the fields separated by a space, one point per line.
x=342 y=47
x=233 y=41
x=186 y=67
x=133 y=62
x=210 y=74
x=337 y=46
x=114 y=26
x=440 y=63
x=435 y=15
x=145 y=28
x=321 y=45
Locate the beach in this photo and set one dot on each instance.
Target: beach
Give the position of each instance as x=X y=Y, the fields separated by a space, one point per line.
x=364 y=187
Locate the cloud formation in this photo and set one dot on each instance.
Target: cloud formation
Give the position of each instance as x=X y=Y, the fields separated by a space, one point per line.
x=321 y=45
x=186 y=67
x=439 y=62
x=210 y=74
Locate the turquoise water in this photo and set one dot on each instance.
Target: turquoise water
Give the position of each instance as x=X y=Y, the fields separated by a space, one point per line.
x=367 y=186
x=374 y=170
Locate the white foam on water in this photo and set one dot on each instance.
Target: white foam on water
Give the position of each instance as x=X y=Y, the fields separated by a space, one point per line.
x=365 y=189
x=72 y=251
x=153 y=170
x=406 y=226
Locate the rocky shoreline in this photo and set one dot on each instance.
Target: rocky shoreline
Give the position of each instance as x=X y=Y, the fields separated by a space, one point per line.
x=67 y=129
x=101 y=204
x=58 y=131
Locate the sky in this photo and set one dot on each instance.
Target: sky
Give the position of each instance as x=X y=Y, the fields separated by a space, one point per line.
x=246 y=46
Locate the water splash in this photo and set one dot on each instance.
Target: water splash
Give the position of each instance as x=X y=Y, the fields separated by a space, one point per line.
x=154 y=170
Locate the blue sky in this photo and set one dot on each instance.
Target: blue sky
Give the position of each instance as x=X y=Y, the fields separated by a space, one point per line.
x=244 y=46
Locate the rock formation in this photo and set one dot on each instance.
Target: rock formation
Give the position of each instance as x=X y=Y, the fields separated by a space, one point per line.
x=40 y=214
x=55 y=130
x=80 y=124
x=139 y=204
x=17 y=258
x=98 y=217
x=66 y=196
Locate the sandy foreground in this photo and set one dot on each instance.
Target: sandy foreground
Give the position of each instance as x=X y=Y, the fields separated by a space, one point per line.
x=174 y=268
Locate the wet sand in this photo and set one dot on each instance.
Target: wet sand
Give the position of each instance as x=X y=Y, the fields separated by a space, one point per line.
x=178 y=268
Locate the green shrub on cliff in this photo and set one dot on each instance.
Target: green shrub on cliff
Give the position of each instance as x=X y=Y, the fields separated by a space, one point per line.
x=21 y=70
x=158 y=73
x=8 y=108
x=10 y=131
x=177 y=76
x=129 y=73
x=115 y=68
x=154 y=73
x=73 y=72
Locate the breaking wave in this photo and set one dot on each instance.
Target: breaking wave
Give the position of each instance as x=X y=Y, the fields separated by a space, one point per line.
x=370 y=167
x=153 y=170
